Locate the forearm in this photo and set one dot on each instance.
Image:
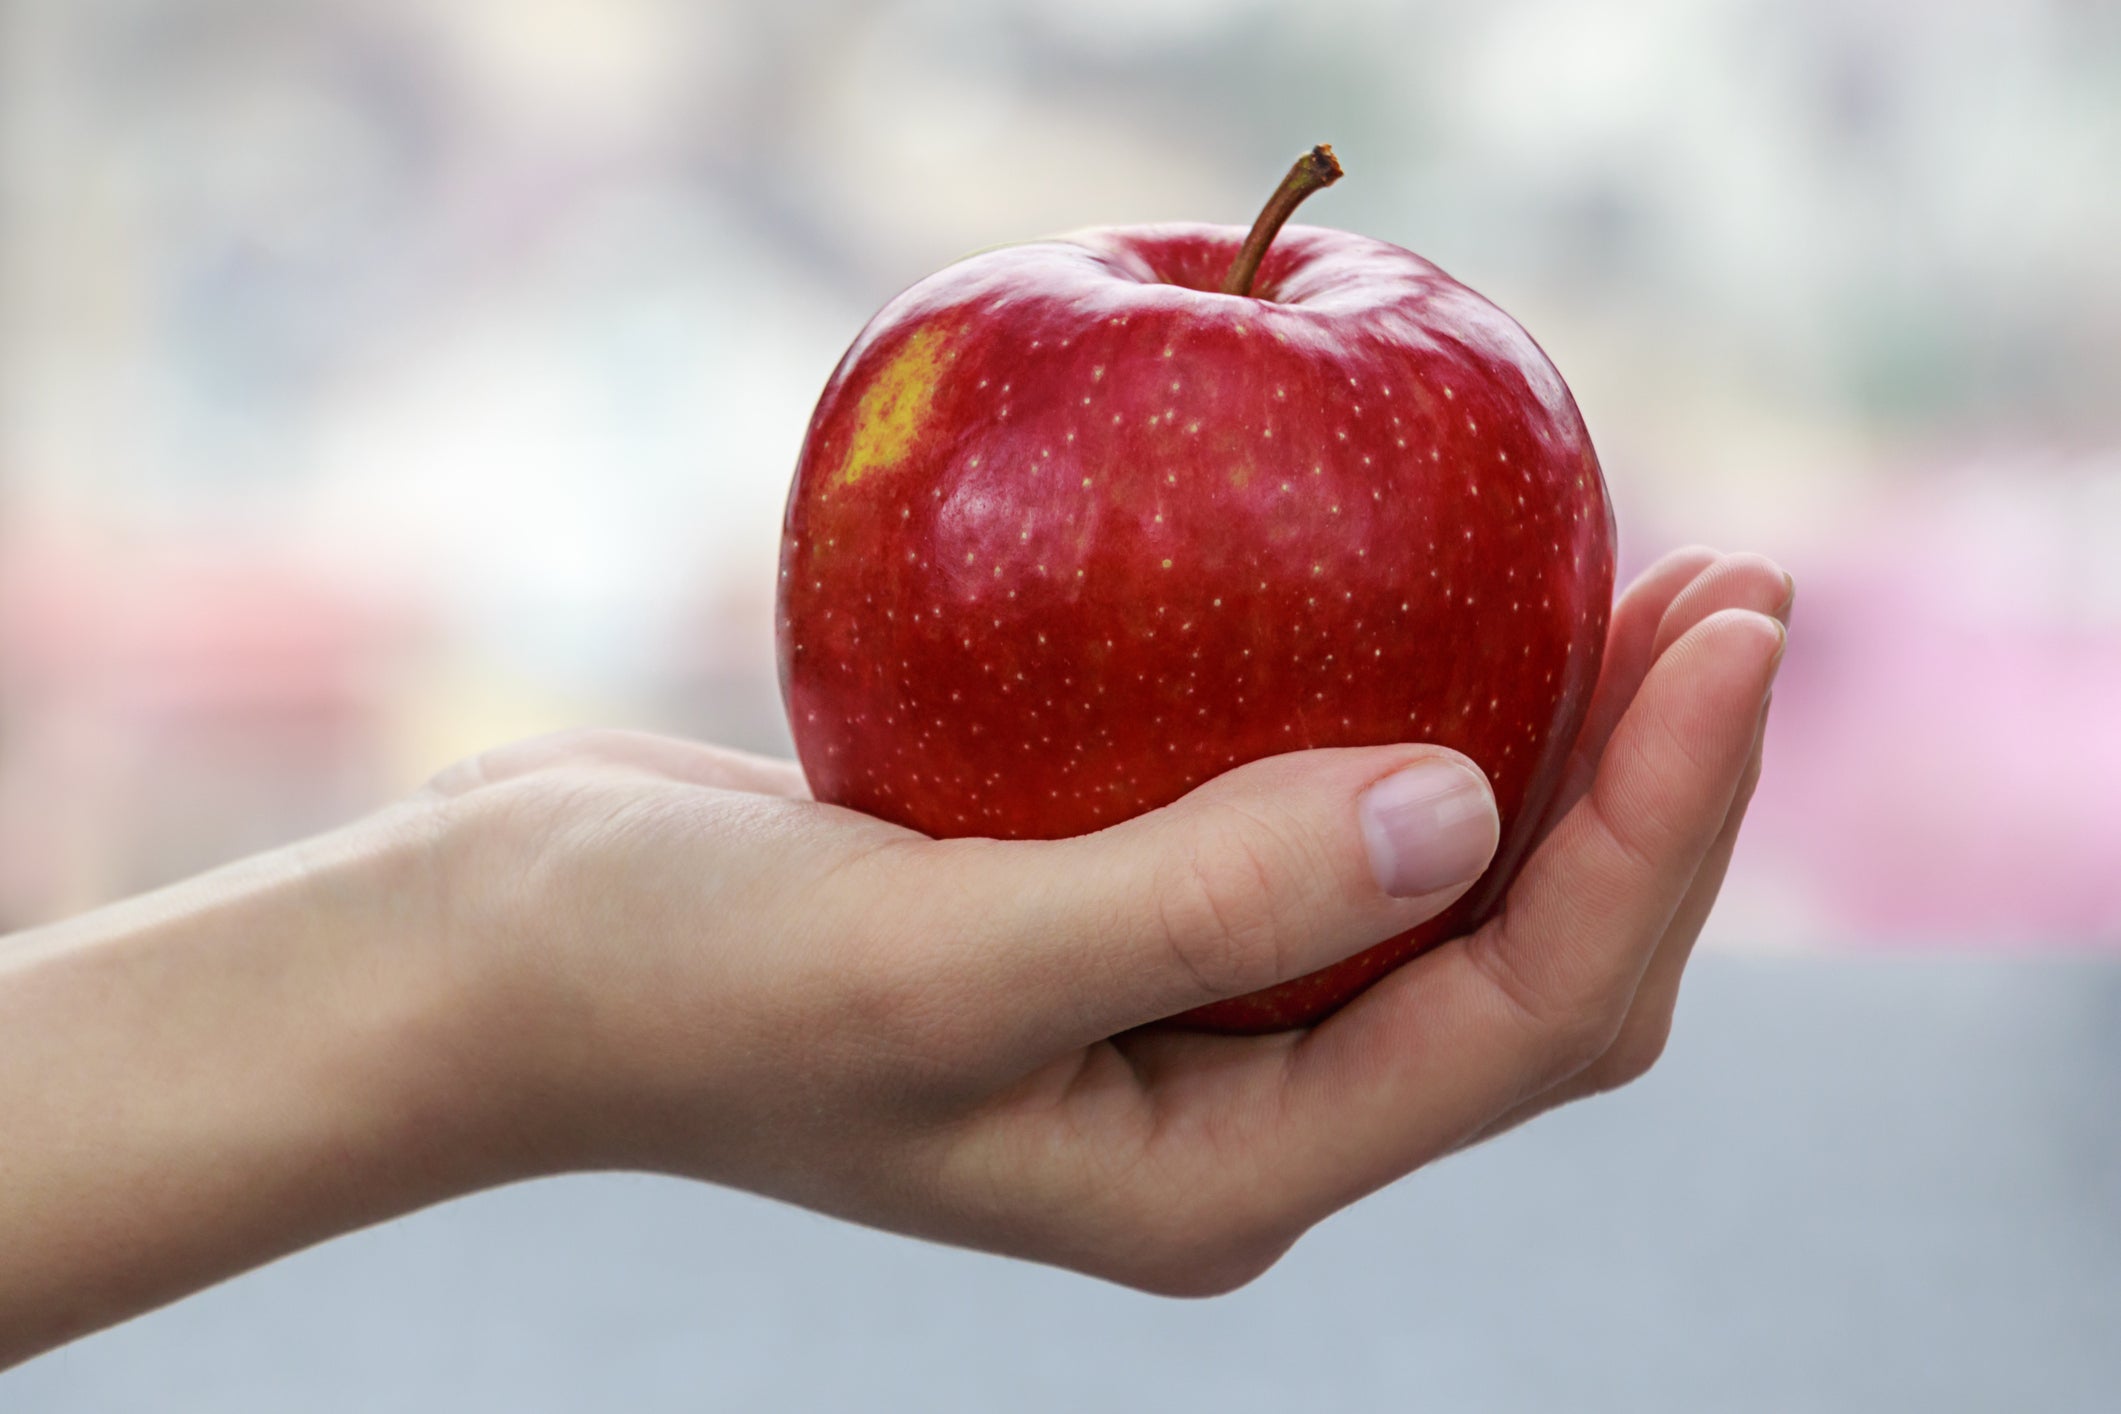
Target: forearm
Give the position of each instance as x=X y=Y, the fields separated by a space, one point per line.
x=201 y=1080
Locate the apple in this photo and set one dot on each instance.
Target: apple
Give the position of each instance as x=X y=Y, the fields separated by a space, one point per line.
x=1081 y=523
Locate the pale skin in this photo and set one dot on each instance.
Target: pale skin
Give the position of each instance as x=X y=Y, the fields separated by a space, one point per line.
x=606 y=950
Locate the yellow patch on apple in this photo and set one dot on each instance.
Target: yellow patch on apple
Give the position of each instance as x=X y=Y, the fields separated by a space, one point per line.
x=888 y=419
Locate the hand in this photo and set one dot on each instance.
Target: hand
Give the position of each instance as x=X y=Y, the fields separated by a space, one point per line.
x=606 y=950
x=689 y=966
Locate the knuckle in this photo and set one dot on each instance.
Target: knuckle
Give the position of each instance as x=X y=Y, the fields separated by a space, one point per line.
x=1761 y=579
x=1221 y=911
x=1569 y=1034
x=1192 y=1259
x=1633 y=1054
x=1581 y=1041
x=569 y=745
x=1635 y=830
x=1193 y=1281
x=458 y=778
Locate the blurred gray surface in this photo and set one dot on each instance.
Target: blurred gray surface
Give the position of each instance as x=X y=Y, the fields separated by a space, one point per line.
x=1862 y=1184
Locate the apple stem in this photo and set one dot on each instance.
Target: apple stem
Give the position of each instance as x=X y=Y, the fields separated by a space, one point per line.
x=1314 y=171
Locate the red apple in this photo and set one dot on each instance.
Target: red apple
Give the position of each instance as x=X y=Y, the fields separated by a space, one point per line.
x=1075 y=530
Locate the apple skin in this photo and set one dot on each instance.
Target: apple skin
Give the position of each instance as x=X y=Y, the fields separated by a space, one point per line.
x=1072 y=533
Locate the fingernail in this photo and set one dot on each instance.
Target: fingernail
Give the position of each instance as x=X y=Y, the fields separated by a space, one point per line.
x=1429 y=827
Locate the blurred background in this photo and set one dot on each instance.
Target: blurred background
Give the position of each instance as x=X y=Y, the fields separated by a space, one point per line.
x=380 y=381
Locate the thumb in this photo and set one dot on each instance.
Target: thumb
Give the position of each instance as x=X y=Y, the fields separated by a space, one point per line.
x=1273 y=870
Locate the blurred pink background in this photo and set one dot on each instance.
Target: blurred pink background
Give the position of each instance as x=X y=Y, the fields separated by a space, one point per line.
x=379 y=382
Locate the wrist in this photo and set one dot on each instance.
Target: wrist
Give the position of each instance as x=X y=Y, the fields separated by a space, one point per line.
x=447 y=1033
x=211 y=1076
x=387 y=1035
x=596 y=1039
x=517 y=1066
